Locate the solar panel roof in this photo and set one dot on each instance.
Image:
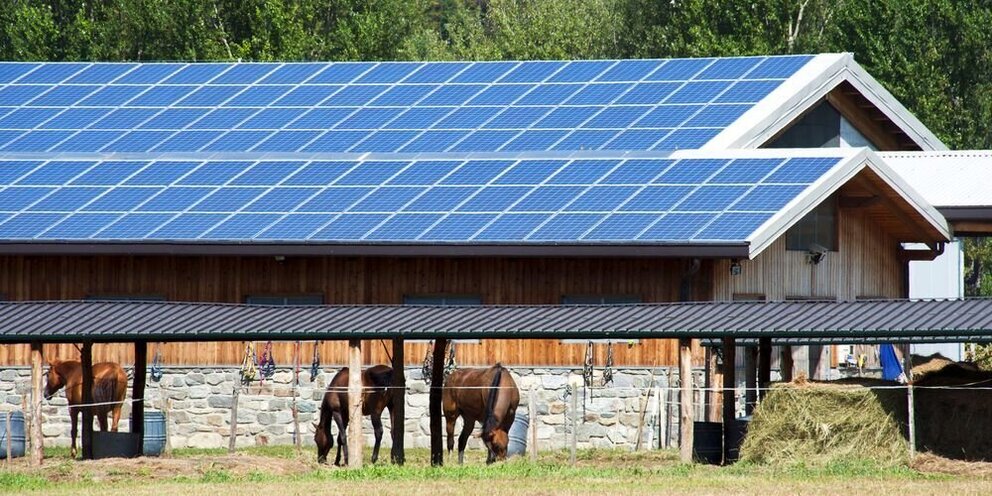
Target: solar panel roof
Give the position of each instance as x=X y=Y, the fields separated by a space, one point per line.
x=694 y=199
x=405 y=107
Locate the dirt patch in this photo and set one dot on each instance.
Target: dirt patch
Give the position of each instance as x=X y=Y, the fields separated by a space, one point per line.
x=156 y=469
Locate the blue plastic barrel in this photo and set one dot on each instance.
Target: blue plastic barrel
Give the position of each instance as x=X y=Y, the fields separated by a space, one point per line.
x=15 y=436
x=154 y=442
x=518 y=435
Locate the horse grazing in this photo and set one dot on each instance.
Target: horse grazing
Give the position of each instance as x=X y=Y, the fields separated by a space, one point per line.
x=376 y=395
x=109 y=386
x=490 y=396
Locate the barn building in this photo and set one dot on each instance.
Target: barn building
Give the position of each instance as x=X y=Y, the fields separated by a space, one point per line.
x=460 y=183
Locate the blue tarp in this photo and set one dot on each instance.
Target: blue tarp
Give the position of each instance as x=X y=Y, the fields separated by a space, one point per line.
x=891 y=368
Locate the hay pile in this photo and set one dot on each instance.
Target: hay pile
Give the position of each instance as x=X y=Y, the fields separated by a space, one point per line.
x=819 y=423
x=954 y=423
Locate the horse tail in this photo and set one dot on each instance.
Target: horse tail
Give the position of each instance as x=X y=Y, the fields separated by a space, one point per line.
x=490 y=419
x=326 y=420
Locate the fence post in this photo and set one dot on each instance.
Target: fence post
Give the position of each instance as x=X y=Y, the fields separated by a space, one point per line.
x=575 y=424
x=532 y=430
x=685 y=400
x=37 y=438
x=10 y=442
x=167 y=412
x=296 y=411
x=234 y=420
x=356 y=440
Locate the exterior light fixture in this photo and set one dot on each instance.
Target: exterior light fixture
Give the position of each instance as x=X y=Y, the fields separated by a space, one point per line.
x=735 y=267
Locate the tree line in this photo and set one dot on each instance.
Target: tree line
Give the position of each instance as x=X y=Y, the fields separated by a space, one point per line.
x=935 y=56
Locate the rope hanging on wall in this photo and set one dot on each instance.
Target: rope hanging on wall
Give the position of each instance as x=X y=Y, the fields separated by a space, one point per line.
x=450 y=365
x=587 y=375
x=266 y=364
x=156 y=372
x=248 y=369
x=428 y=366
x=315 y=364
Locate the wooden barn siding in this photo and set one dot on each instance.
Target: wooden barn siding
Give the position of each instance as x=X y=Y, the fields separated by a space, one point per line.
x=866 y=265
x=352 y=281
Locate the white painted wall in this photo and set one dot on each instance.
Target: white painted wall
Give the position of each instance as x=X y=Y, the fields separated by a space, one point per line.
x=941 y=278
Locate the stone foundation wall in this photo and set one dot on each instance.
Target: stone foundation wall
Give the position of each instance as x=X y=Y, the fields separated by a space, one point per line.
x=199 y=401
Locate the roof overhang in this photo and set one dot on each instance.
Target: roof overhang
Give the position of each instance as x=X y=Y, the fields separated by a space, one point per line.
x=804 y=89
x=805 y=321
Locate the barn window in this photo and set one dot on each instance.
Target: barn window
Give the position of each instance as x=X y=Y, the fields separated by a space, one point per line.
x=443 y=300
x=277 y=300
x=599 y=300
x=819 y=227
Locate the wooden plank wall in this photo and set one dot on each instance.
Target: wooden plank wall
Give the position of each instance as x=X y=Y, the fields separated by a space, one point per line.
x=352 y=281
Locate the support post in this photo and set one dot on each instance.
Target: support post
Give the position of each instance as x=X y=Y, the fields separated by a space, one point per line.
x=10 y=444
x=436 y=395
x=787 y=364
x=397 y=417
x=356 y=441
x=575 y=424
x=910 y=399
x=167 y=412
x=297 y=441
x=86 y=357
x=685 y=400
x=764 y=366
x=729 y=401
x=37 y=439
x=713 y=379
x=138 y=393
x=231 y=443
x=750 y=378
x=532 y=425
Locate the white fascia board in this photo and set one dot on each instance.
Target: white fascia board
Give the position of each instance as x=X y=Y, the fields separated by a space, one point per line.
x=809 y=85
x=857 y=160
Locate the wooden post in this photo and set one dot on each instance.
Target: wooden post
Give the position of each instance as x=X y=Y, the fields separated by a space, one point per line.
x=297 y=441
x=729 y=400
x=750 y=378
x=437 y=385
x=356 y=441
x=10 y=443
x=713 y=378
x=37 y=439
x=643 y=413
x=532 y=426
x=787 y=364
x=910 y=399
x=166 y=411
x=86 y=357
x=685 y=399
x=231 y=443
x=764 y=365
x=575 y=424
x=397 y=418
x=138 y=394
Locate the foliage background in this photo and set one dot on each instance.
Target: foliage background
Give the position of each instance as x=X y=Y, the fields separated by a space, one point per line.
x=935 y=56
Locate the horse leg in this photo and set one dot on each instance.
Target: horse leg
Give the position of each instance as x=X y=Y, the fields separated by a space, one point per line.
x=117 y=415
x=450 y=428
x=101 y=418
x=463 y=438
x=342 y=424
x=73 y=417
x=377 y=429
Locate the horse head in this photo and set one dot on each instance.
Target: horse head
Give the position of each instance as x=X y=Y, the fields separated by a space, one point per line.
x=54 y=379
x=497 y=441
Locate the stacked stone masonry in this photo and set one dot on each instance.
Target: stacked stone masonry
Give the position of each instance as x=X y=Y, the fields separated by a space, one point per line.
x=199 y=401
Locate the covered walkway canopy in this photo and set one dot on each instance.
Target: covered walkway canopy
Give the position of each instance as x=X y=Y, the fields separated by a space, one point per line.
x=817 y=321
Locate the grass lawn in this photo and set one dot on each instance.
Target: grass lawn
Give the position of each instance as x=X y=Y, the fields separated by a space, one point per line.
x=280 y=471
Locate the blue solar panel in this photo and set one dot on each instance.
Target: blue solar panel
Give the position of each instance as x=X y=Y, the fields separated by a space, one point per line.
x=501 y=94
x=321 y=118
x=20 y=95
x=27 y=118
x=617 y=117
x=389 y=72
x=779 y=67
x=679 y=69
x=354 y=95
x=286 y=141
x=237 y=140
x=668 y=116
x=582 y=71
x=244 y=74
x=682 y=139
x=517 y=117
x=291 y=74
x=436 y=72
x=149 y=73
x=258 y=96
x=272 y=118
x=100 y=73
x=567 y=117
x=79 y=226
x=196 y=73
x=87 y=141
x=61 y=96
x=223 y=118
x=636 y=138
x=186 y=141
x=484 y=200
x=548 y=94
x=174 y=118
x=584 y=140
x=37 y=141
x=483 y=141
x=534 y=140
x=125 y=118
x=598 y=94
x=28 y=225
x=305 y=96
x=403 y=95
x=698 y=92
x=335 y=141
x=112 y=96
x=452 y=95
x=51 y=73
x=748 y=91
x=340 y=73
x=433 y=141
x=468 y=118
x=11 y=71
x=206 y=96
x=729 y=68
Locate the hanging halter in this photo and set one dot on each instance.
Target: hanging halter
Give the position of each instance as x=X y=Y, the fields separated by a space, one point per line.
x=608 y=369
x=156 y=372
x=450 y=365
x=587 y=375
x=266 y=365
x=315 y=365
x=248 y=369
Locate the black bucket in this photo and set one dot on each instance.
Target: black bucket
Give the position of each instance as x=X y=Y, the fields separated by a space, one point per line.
x=707 y=446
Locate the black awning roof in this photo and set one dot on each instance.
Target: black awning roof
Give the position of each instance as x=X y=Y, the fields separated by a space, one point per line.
x=815 y=322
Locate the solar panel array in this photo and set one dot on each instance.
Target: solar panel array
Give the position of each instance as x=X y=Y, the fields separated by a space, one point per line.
x=462 y=201
x=406 y=107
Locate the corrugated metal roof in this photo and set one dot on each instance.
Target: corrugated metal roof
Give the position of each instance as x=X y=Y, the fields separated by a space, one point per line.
x=882 y=320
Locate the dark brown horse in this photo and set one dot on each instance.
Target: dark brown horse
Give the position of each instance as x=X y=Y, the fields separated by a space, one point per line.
x=376 y=396
x=109 y=386
x=486 y=395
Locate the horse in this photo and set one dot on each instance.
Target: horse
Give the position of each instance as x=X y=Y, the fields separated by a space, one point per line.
x=109 y=387
x=376 y=396
x=489 y=395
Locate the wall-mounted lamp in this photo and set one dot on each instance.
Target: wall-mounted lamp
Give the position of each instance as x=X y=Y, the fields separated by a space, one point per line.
x=280 y=258
x=735 y=267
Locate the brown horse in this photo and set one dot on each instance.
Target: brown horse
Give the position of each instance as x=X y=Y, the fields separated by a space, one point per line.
x=376 y=396
x=109 y=386
x=495 y=406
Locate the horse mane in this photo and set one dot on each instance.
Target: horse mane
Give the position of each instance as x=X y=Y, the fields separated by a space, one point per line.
x=490 y=419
